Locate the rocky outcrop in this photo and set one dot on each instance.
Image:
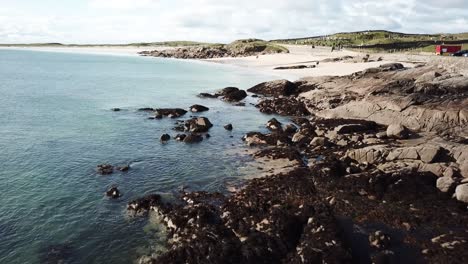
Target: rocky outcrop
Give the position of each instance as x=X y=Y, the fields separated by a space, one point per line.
x=198 y=125
x=193 y=138
x=283 y=106
x=274 y=88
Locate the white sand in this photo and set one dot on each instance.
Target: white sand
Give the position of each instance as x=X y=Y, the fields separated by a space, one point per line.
x=299 y=55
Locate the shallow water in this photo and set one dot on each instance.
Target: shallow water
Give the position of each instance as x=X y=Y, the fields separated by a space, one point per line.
x=56 y=126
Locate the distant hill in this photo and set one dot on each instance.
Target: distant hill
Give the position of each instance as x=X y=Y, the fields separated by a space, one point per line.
x=379 y=39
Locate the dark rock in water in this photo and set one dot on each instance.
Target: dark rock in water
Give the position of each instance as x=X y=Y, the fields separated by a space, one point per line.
x=113 y=193
x=207 y=136
x=116 y=109
x=274 y=125
x=123 y=168
x=283 y=106
x=254 y=95
x=198 y=108
x=228 y=127
x=227 y=90
x=240 y=104
x=171 y=112
x=158 y=116
x=274 y=88
x=146 y=109
x=193 y=138
x=165 y=137
x=198 y=125
x=56 y=254
x=207 y=95
x=235 y=96
x=180 y=137
x=105 y=169
x=144 y=204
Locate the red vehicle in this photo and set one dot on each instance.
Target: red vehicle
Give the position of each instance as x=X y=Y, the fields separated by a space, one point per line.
x=444 y=49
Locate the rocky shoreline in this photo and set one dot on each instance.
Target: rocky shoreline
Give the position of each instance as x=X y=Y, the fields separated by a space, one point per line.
x=374 y=169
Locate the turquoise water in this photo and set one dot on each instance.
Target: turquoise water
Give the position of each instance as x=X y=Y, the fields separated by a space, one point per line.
x=56 y=126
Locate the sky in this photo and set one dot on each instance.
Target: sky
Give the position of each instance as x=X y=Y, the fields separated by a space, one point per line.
x=130 y=21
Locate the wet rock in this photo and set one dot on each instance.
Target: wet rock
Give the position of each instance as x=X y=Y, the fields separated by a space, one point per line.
x=198 y=108
x=461 y=193
x=274 y=88
x=207 y=136
x=235 y=96
x=144 y=204
x=193 y=138
x=105 y=169
x=180 y=137
x=379 y=240
x=208 y=95
x=113 y=193
x=446 y=184
x=146 y=109
x=124 y=168
x=116 y=109
x=397 y=131
x=170 y=112
x=198 y=125
x=165 y=138
x=274 y=125
x=229 y=127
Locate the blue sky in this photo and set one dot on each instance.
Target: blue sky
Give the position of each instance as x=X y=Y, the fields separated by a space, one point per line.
x=125 y=21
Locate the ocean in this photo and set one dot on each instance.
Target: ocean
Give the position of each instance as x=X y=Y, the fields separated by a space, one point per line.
x=56 y=126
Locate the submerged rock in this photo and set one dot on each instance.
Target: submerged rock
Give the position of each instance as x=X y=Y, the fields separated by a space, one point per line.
x=229 y=127
x=124 y=168
x=165 y=138
x=170 y=112
x=144 y=204
x=193 y=138
x=113 y=193
x=105 y=169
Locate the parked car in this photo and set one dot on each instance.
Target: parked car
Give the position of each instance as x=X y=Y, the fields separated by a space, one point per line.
x=461 y=53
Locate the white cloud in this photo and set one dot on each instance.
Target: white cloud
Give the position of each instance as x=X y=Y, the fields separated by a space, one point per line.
x=122 y=21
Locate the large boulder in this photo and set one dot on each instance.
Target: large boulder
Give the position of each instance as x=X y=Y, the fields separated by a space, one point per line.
x=198 y=125
x=397 y=131
x=461 y=193
x=274 y=88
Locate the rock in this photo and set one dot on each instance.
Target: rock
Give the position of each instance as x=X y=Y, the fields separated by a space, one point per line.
x=180 y=137
x=446 y=184
x=319 y=141
x=207 y=95
x=124 y=168
x=146 y=109
x=397 y=131
x=193 y=138
x=170 y=112
x=381 y=135
x=105 y=169
x=299 y=138
x=464 y=169
x=461 y=193
x=351 y=128
x=165 y=137
x=235 y=96
x=144 y=204
x=290 y=129
x=198 y=125
x=116 y=109
x=207 y=136
x=228 y=127
x=283 y=106
x=256 y=138
x=379 y=240
x=274 y=88
x=274 y=125
x=113 y=193
x=429 y=154
x=198 y=108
